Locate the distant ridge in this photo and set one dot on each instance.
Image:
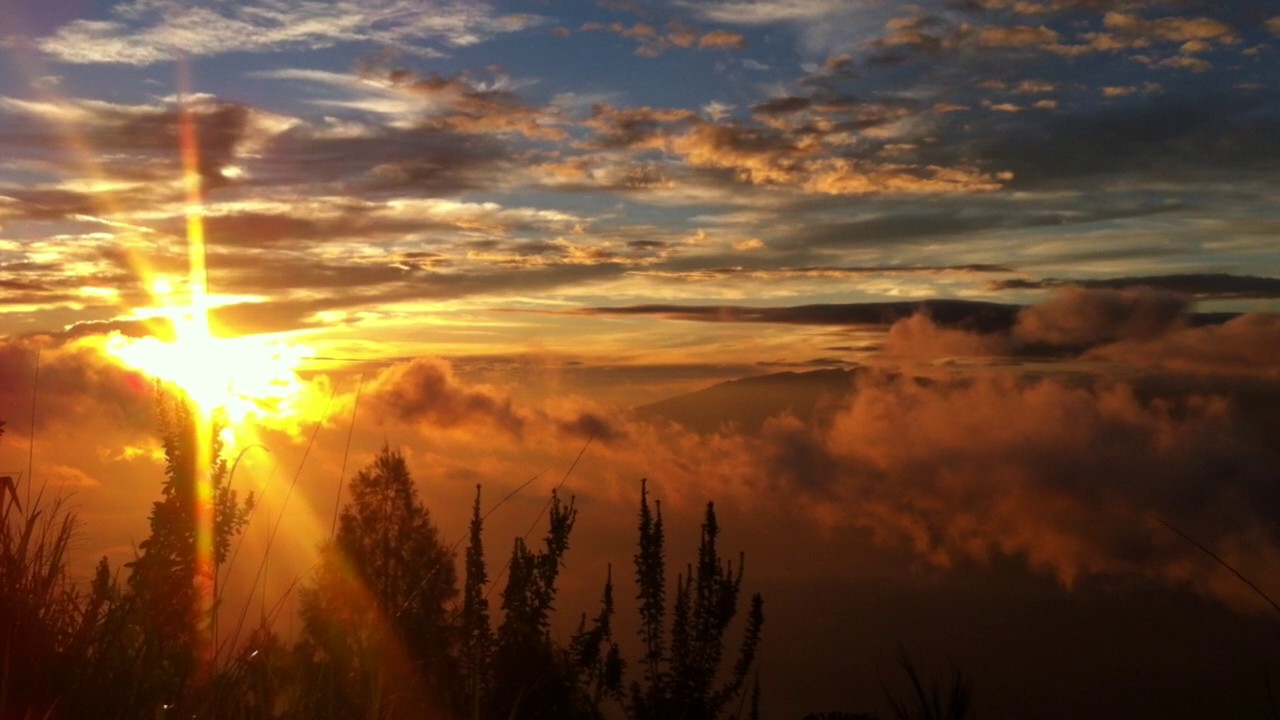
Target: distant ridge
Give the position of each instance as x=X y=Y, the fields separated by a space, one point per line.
x=747 y=403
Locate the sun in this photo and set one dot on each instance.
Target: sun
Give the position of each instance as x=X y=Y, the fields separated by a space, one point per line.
x=239 y=377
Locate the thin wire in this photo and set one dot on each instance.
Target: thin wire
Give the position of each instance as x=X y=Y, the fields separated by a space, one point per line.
x=1219 y=560
x=266 y=553
x=507 y=565
x=342 y=473
x=551 y=499
x=31 y=443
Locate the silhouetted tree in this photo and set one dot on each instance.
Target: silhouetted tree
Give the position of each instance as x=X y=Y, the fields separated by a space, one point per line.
x=376 y=620
x=477 y=634
x=163 y=601
x=682 y=682
x=532 y=678
x=596 y=658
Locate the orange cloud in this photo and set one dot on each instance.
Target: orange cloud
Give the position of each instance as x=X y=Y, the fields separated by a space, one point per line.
x=1017 y=36
x=1248 y=345
x=425 y=391
x=722 y=40
x=1074 y=316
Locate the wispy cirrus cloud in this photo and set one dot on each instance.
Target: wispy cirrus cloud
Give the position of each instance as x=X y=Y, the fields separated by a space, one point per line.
x=144 y=33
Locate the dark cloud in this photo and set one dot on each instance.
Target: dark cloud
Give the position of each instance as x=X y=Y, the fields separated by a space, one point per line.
x=782 y=105
x=1065 y=475
x=593 y=425
x=137 y=143
x=1171 y=137
x=1077 y=317
x=763 y=270
x=74 y=385
x=1204 y=286
x=978 y=316
x=423 y=391
x=427 y=160
x=1062 y=473
x=901 y=223
x=633 y=127
x=467 y=106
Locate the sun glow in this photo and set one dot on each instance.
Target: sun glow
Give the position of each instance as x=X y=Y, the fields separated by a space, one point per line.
x=242 y=377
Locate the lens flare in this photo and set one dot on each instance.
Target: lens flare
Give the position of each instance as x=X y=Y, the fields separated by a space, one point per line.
x=243 y=377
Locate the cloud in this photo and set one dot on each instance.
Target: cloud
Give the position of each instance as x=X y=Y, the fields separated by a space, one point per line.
x=130 y=154
x=919 y=337
x=1016 y=36
x=1170 y=137
x=1171 y=29
x=722 y=40
x=816 y=271
x=949 y=313
x=769 y=157
x=1248 y=345
x=75 y=382
x=1078 y=317
x=766 y=12
x=1062 y=472
x=1064 y=475
x=144 y=33
x=425 y=392
x=653 y=42
x=457 y=104
x=1204 y=286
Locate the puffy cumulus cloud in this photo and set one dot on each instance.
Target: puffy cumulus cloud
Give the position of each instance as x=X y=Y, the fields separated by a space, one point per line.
x=1248 y=345
x=424 y=391
x=1152 y=330
x=144 y=33
x=920 y=337
x=1065 y=475
x=428 y=395
x=1079 y=317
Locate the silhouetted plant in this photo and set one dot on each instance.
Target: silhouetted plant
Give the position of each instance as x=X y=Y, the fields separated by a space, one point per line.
x=683 y=682
x=477 y=634
x=376 y=620
x=931 y=703
x=596 y=657
x=532 y=679
x=163 y=594
x=40 y=609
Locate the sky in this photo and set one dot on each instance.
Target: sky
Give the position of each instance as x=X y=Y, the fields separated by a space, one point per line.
x=1039 y=235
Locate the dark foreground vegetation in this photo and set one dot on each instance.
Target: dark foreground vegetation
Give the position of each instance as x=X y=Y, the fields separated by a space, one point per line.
x=385 y=632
